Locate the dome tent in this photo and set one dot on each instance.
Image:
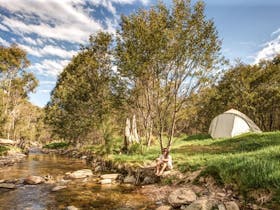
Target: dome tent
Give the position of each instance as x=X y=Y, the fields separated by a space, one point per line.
x=231 y=123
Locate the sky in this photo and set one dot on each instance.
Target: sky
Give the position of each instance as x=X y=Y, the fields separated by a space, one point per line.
x=51 y=31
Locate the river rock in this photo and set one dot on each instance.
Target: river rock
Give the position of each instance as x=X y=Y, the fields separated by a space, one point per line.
x=57 y=188
x=106 y=181
x=7 y=186
x=181 y=196
x=34 y=180
x=129 y=179
x=231 y=205
x=164 y=208
x=71 y=208
x=110 y=176
x=81 y=174
x=221 y=207
x=148 y=180
x=203 y=204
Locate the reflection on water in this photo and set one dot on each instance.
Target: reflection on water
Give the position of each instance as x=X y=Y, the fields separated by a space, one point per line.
x=84 y=194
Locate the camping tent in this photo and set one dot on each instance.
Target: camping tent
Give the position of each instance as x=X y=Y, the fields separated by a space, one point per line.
x=231 y=123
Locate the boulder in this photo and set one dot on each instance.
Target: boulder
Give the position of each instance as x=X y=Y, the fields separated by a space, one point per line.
x=203 y=204
x=34 y=180
x=181 y=196
x=7 y=142
x=148 y=180
x=110 y=176
x=106 y=181
x=221 y=207
x=231 y=205
x=71 y=208
x=129 y=179
x=57 y=188
x=164 y=208
x=80 y=174
x=7 y=185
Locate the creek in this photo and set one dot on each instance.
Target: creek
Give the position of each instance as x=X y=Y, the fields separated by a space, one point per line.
x=81 y=193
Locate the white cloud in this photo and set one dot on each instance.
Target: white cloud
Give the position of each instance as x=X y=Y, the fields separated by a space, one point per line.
x=275 y=32
x=31 y=41
x=50 y=68
x=3 y=28
x=4 y=42
x=67 y=20
x=48 y=50
x=269 y=50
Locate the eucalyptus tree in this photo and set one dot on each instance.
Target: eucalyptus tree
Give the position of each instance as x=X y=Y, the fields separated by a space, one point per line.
x=15 y=84
x=166 y=54
x=83 y=100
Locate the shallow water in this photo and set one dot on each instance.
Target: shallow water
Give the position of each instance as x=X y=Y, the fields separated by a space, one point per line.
x=84 y=194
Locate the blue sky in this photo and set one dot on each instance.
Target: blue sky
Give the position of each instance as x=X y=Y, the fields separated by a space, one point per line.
x=51 y=31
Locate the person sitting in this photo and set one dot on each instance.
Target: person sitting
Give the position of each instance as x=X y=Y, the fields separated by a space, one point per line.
x=163 y=162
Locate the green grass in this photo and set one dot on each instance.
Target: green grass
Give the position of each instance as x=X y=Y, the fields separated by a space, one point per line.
x=250 y=161
x=57 y=145
x=3 y=150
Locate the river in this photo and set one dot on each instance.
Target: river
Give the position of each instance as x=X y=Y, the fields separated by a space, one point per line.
x=83 y=194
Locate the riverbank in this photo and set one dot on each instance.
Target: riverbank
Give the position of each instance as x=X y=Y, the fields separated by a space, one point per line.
x=202 y=165
x=10 y=155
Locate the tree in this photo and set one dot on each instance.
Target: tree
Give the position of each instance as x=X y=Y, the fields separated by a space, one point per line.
x=83 y=102
x=166 y=55
x=15 y=84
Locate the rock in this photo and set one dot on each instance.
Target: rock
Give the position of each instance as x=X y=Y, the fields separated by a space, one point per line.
x=106 y=181
x=221 y=207
x=2 y=180
x=110 y=176
x=71 y=208
x=164 y=208
x=7 y=142
x=7 y=186
x=231 y=205
x=148 y=180
x=84 y=157
x=34 y=180
x=81 y=174
x=57 y=188
x=181 y=196
x=203 y=204
x=129 y=179
x=220 y=194
x=97 y=169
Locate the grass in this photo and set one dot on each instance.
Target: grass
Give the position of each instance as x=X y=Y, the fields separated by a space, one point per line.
x=3 y=150
x=249 y=161
x=57 y=145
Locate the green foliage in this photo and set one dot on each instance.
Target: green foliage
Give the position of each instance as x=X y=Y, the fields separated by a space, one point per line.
x=83 y=102
x=166 y=53
x=17 y=116
x=3 y=150
x=57 y=145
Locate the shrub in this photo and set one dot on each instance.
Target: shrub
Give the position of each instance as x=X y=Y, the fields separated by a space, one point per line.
x=57 y=145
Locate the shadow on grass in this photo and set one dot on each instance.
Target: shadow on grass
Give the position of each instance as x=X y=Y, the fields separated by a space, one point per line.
x=248 y=142
x=243 y=143
x=197 y=137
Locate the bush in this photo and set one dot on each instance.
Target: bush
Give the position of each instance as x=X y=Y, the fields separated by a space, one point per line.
x=3 y=150
x=57 y=145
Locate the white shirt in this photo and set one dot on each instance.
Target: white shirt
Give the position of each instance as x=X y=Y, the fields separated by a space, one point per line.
x=169 y=162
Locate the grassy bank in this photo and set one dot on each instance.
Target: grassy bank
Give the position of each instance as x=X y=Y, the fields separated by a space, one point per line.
x=250 y=161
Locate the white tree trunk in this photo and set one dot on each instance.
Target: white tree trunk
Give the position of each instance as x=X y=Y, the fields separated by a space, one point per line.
x=127 y=132
x=134 y=134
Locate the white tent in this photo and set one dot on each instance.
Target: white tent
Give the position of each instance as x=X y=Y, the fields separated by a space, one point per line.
x=231 y=123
